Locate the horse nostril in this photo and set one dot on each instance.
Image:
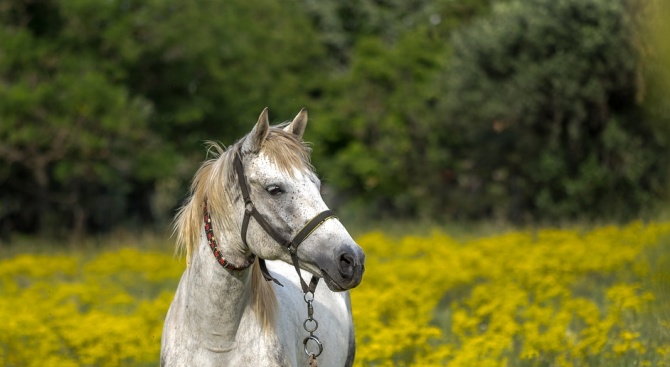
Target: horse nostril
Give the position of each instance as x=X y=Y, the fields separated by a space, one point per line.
x=346 y=266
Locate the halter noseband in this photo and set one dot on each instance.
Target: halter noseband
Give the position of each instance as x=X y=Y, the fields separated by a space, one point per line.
x=251 y=211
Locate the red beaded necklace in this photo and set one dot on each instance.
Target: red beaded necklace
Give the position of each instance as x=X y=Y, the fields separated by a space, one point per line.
x=215 y=248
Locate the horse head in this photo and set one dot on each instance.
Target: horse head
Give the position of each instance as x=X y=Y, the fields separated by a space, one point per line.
x=285 y=193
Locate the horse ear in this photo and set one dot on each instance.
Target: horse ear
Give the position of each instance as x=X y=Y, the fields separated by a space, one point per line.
x=298 y=125
x=258 y=134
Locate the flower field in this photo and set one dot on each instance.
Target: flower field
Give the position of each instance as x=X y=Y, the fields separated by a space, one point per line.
x=536 y=298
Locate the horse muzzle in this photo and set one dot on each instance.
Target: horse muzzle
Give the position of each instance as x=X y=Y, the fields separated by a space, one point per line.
x=345 y=269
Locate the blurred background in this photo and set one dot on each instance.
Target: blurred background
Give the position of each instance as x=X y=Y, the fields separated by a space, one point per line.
x=524 y=112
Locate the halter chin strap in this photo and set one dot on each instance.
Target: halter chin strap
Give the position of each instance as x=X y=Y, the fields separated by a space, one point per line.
x=292 y=245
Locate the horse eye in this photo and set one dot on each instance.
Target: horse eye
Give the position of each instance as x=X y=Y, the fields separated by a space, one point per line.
x=274 y=190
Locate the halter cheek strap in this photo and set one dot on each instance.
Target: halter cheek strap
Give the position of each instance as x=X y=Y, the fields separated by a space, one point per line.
x=292 y=245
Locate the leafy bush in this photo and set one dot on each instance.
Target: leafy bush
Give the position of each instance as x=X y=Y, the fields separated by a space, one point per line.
x=547 y=97
x=523 y=110
x=104 y=103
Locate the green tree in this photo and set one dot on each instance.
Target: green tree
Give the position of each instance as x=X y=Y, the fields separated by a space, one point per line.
x=68 y=131
x=340 y=24
x=378 y=124
x=545 y=93
x=379 y=134
x=107 y=103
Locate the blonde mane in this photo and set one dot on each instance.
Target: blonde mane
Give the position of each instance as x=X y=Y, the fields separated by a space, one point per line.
x=216 y=182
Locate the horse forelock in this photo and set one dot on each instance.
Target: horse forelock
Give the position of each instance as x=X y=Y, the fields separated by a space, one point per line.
x=288 y=152
x=215 y=182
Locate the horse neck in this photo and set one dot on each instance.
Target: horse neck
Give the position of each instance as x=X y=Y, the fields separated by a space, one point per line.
x=216 y=298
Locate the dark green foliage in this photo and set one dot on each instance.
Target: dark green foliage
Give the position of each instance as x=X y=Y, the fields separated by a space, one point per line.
x=378 y=133
x=443 y=109
x=69 y=131
x=544 y=93
x=379 y=124
x=106 y=103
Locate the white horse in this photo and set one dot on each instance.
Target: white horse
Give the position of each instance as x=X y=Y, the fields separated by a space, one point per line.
x=261 y=191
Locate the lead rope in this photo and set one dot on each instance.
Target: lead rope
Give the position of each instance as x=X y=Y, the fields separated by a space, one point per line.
x=310 y=326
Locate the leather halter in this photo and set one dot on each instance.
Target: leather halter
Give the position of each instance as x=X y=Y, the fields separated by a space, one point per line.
x=292 y=245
